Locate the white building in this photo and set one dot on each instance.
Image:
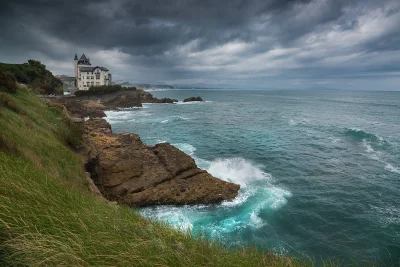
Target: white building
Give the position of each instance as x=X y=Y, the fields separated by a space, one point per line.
x=87 y=76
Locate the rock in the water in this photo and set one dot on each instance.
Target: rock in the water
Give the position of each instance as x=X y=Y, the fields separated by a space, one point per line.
x=129 y=172
x=146 y=97
x=193 y=98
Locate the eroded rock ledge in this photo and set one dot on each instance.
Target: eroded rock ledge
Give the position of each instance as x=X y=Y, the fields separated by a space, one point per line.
x=129 y=172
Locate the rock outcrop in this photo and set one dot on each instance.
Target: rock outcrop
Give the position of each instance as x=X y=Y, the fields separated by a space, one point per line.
x=94 y=105
x=146 y=97
x=85 y=108
x=129 y=172
x=193 y=98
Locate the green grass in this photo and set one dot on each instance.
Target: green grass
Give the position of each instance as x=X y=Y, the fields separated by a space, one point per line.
x=48 y=218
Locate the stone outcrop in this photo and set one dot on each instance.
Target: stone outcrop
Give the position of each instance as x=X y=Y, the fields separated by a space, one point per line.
x=193 y=98
x=129 y=172
x=146 y=97
x=94 y=105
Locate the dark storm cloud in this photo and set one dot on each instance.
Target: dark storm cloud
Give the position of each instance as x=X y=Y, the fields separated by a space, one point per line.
x=205 y=40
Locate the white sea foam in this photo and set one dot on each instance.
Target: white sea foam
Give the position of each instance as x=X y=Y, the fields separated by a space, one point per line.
x=378 y=156
x=237 y=170
x=256 y=195
x=388 y=215
x=368 y=147
x=175 y=216
x=255 y=220
x=125 y=115
x=391 y=168
x=243 y=196
x=192 y=102
x=187 y=148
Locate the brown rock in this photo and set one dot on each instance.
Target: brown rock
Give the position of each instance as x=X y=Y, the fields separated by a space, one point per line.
x=129 y=172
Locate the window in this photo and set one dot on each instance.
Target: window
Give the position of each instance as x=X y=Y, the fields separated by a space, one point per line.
x=92 y=83
x=97 y=76
x=97 y=83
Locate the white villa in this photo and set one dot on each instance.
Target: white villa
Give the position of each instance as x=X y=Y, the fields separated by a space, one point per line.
x=87 y=76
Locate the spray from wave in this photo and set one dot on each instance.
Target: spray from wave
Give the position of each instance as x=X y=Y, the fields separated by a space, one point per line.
x=374 y=147
x=257 y=194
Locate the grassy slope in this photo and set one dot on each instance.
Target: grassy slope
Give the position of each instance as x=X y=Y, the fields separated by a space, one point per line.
x=48 y=218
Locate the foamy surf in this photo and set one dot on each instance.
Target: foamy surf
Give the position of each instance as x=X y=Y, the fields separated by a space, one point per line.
x=391 y=168
x=379 y=156
x=192 y=102
x=256 y=195
x=237 y=170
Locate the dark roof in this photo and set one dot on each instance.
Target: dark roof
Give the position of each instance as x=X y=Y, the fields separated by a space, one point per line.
x=76 y=57
x=83 y=57
x=90 y=69
x=84 y=60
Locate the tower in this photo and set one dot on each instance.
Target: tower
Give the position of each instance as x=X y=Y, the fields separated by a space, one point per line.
x=76 y=70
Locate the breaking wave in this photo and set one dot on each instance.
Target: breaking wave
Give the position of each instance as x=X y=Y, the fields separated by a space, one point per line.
x=257 y=194
x=361 y=134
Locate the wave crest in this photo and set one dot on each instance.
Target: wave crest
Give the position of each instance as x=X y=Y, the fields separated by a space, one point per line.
x=361 y=135
x=237 y=170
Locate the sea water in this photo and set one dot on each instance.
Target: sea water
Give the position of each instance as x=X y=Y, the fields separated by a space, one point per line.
x=319 y=170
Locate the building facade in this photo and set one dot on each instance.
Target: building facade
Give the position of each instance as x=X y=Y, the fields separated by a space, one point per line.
x=87 y=76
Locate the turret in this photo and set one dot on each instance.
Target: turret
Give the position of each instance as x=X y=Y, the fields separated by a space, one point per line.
x=76 y=69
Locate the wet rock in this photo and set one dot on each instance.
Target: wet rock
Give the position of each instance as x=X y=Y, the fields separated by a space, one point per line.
x=193 y=98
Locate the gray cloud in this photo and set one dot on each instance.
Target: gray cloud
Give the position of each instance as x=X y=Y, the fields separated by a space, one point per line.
x=288 y=44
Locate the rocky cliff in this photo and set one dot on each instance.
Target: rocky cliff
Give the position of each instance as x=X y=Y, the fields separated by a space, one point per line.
x=129 y=172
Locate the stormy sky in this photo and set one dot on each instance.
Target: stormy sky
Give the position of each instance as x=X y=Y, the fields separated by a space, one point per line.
x=271 y=44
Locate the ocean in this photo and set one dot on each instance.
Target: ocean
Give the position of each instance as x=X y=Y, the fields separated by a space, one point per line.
x=319 y=169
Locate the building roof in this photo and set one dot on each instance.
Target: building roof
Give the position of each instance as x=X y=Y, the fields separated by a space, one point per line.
x=84 y=60
x=76 y=57
x=91 y=69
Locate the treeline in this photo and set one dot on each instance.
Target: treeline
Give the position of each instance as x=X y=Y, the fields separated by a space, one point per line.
x=103 y=90
x=35 y=75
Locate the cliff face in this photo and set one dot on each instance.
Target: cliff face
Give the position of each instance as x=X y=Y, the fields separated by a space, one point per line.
x=132 y=173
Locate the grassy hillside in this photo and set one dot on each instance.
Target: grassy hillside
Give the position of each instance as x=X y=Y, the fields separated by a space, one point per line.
x=36 y=76
x=47 y=216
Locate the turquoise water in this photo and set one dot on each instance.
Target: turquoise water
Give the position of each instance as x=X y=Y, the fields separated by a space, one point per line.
x=319 y=170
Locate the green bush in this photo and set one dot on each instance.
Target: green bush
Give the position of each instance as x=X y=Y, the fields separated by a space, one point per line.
x=35 y=75
x=7 y=81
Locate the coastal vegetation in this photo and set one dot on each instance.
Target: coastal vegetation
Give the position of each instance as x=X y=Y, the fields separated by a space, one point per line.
x=35 y=75
x=48 y=217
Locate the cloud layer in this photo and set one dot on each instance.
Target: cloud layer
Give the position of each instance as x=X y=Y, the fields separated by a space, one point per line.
x=351 y=44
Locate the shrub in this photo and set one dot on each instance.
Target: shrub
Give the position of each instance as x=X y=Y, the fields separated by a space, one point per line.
x=35 y=75
x=7 y=81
